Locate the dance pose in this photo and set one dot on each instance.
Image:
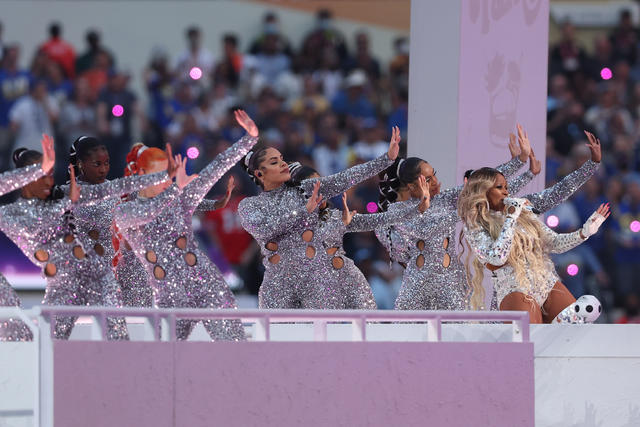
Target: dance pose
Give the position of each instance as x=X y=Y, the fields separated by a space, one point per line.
x=157 y=224
x=14 y=329
x=41 y=223
x=334 y=266
x=434 y=277
x=514 y=244
x=283 y=220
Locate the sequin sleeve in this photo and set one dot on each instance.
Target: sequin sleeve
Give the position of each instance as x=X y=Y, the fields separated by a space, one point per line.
x=94 y=193
x=511 y=167
x=369 y=222
x=140 y=211
x=207 y=205
x=333 y=185
x=396 y=246
x=491 y=251
x=558 y=193
x=518 y=183
x=195 y=191
x=263 y=223
x=557 y=243
x=18 y=178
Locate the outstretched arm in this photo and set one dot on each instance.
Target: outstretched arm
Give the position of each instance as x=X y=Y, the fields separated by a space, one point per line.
x=138 y=212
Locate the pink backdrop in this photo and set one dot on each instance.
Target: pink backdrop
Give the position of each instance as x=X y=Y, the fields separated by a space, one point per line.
x=502 y=81
x=293 y=384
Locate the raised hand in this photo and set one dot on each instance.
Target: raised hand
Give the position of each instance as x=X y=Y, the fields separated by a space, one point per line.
x=594 y=146
x=347 y=215
x=246 y=122
x=316 y=199
x=219 y=204
x=48 y=153
x=182 y=179
x=513 y=146
x=172 y=166
x=425 y=203
x=525 y=145
x=535 y=166
x=74 y=188
x=394 y=144
x=595 y=221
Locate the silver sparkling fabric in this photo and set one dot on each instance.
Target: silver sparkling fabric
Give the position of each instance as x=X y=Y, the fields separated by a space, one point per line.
x=131 y=275
x=45 y=233
x=336 y=267
x=558 y=193
x=15 y=329
x=568 y=315
x=279 y=221
x=160 y=232
x=496 y=252
x=434 y=277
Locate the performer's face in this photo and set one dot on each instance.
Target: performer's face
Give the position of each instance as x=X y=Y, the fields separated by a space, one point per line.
x=429 y=174
x=157 y=166
x=273 y=171
x=96 y=166
x=497 y=193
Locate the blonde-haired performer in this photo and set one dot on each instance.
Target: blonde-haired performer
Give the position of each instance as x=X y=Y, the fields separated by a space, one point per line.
x=514 y=244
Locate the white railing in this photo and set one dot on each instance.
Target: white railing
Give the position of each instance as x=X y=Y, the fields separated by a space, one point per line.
x=160 y=325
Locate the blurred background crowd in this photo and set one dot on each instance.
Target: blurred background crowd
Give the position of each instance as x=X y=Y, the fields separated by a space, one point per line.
x=329 y=102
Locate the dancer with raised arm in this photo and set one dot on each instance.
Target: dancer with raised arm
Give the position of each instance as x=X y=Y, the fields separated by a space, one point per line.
x=283 y=220
x=14 y=329
x=332 y=263
x=157 y=224
x=41 y=223
x=514 y=244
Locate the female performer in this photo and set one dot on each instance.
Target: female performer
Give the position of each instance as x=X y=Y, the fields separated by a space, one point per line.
x=514 y=244
x=283 y=221
x=434 y=277
x=334 y=266
x=14 y=329
x=41 y=224
x=156 y=223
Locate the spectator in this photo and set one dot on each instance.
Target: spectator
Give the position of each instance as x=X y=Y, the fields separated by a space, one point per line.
x=32 y=115
x=323 y=36
x=567 y=56
x=158 y=78
x=98 y=75
x=399 y=66
x=88 y=59
x=271 y=62
x=332 y=156
x=195 y=55
x=625 y=221
x=363 y=59
x=371 y=145
x=59 y=87
x=271 y=27
x=624 y=39
x=352 y=102
x=229 y=68
x=59 y=51
x=14 y=83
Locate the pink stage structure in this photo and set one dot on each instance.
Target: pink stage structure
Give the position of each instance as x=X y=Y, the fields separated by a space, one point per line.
x=298 y=367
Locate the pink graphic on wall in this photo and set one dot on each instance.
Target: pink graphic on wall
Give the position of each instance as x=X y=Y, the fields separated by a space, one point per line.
x=503 y=80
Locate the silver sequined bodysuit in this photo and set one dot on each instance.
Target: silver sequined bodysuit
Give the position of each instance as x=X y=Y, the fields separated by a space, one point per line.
x=45 y=232
x=279 y=221
x=13 y=329
x=434 y=277
x=496 y=252
x=160 y=232
x=340 y=269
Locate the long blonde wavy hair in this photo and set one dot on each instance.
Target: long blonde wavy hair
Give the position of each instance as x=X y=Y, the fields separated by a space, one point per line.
x=526 y=256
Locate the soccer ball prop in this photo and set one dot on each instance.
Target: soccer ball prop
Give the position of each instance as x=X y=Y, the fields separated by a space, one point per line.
x=588 y=307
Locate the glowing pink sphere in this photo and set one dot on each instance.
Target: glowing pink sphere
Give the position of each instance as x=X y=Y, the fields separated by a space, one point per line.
x=195 y=73
x=117 y=110
x=634 y=226
x=572 y=269
x=372 y=207
x=193 y=152
x=606 y=73
x=553 y=221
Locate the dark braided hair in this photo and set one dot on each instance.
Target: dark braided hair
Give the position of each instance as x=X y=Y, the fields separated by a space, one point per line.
x=23 y=157
x=301 y=172
x=396 y=177
x=82 y=148
x=252 y=160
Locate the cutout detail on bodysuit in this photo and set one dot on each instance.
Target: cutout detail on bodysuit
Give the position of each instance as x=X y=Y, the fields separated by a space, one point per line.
x=151 y=256
x=420 y=261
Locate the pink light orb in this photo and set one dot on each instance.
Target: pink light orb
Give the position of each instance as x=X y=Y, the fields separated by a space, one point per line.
x=553 y=221
x=572 y=269
x=193 y=152
x=195 y=73
x=117 y=110
x=372 y=207
x=634 y=226
x=606 y=73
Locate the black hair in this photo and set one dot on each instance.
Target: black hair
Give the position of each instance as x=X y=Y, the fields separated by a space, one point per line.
x=231 y=38
x=301 y=172
x=55 y=29
x=468 y=173
x=23 y=157
x=252 y=161
x=82 y=148
x=395 y=177
x=193 y=31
